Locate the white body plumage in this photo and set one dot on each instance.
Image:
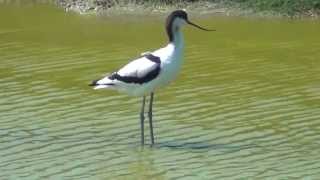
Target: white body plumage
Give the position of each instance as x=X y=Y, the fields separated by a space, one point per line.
x=170 y=58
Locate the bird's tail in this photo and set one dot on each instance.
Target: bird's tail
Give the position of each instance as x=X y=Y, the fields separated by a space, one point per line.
x=94 y=83
x=102 y=83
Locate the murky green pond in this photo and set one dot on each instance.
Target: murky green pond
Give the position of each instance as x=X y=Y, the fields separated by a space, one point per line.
x=245 y=106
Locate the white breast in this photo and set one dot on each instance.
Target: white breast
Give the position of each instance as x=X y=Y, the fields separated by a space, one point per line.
x=171 y=60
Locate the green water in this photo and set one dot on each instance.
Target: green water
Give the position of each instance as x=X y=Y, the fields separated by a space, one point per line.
x=246 y=104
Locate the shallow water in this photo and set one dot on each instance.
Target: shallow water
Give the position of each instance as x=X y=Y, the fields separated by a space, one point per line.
x=245 y=106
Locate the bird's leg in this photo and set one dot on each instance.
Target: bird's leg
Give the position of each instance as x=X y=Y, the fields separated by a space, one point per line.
x=150 y=118
x=142 y=120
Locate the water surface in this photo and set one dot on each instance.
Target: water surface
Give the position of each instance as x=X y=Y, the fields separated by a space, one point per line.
x=245 y=106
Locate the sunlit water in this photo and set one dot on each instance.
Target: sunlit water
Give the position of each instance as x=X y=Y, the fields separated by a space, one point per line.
x=245 y=106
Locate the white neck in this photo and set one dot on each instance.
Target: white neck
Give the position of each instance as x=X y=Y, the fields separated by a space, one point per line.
x=178 y=40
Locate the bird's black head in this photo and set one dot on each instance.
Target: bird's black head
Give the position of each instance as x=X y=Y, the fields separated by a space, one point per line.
x=178 y=14
x=175 y=20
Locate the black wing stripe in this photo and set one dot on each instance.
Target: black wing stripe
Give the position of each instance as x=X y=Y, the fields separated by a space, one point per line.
x=140 y=80
x=153 y=58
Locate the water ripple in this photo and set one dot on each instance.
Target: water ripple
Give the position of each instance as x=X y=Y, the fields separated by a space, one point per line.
x=238 y=110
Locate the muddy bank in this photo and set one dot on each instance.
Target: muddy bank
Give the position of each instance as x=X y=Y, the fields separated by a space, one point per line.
x=219 y=7
x=142 y=7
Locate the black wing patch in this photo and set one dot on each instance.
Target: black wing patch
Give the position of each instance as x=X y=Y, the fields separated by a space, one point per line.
x=153 y=58
x=140 y=80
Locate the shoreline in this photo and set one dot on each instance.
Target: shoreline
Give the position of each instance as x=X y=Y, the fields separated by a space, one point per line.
x=199 y=8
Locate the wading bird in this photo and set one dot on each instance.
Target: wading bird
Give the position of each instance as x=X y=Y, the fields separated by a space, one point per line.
x=152 y=70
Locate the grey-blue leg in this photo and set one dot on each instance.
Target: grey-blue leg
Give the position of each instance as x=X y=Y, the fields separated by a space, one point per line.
x=142 y=120
x=150 y=118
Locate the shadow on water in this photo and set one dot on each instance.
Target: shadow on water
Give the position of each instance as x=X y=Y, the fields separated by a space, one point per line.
x=204 y=146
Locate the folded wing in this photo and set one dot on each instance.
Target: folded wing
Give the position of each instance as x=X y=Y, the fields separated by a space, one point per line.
x=139 y=71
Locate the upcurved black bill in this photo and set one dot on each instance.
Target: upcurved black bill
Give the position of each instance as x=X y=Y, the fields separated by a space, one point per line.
x=197 y=26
